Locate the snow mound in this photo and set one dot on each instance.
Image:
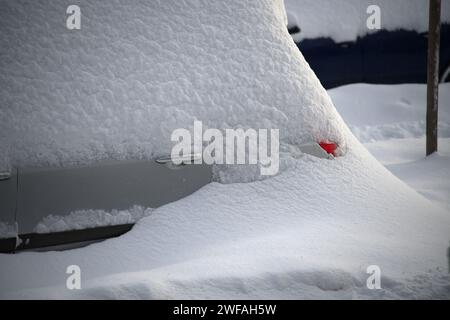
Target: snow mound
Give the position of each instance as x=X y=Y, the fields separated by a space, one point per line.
x=317 y=226
x=429 y=176
x=346 y=20
x=389 y=119
x=117 y=88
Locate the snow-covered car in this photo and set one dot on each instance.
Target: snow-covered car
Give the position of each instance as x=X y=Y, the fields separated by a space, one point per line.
x=133 y=74
x=67 y=207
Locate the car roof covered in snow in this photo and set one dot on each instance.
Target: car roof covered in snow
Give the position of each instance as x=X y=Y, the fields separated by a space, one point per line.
x=118 y=87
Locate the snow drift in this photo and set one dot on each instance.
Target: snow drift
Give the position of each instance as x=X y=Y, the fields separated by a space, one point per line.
x=310 y=232
x=134 y=73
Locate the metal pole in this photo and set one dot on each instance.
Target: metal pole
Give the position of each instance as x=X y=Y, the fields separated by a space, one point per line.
x=434 y=34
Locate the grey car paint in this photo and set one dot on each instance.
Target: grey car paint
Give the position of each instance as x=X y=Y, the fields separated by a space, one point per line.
x=107 y=186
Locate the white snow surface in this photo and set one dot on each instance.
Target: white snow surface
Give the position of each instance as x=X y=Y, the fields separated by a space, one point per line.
x=346 y=20
x=382 y=112
x=82 y=219
x=309 y=232
x=390 y=120
x=117 y=88
x=430 y=176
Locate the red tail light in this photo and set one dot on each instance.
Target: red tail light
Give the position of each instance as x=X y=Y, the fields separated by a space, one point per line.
x=329 y=147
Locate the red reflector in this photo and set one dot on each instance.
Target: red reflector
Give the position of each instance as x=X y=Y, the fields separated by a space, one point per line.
x=329 y=148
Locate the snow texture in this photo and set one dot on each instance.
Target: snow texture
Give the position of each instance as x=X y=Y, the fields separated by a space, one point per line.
x=377 y=111
x=346 y=20
x=117 y=88
x=389 y=119
x=381 y=112
x=308 y=232
x=82 y=219
x=430 y=176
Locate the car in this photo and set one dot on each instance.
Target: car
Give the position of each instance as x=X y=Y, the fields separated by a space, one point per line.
x=384 y=57
x=82 y=196
x=80 y=201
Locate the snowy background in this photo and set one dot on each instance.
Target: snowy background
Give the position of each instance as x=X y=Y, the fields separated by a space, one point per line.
x=343 y=21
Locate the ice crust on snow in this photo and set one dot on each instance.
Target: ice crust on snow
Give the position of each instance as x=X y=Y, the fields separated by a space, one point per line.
x=309 y=232
x=117 y=88
x=346 y=20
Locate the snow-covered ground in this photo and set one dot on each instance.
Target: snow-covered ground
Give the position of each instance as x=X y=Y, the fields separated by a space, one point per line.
x=429 y=176
x=309 y=232
x=390 y=121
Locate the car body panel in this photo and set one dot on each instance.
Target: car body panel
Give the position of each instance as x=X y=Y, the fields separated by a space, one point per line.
x=8 y=195
x=106 y=186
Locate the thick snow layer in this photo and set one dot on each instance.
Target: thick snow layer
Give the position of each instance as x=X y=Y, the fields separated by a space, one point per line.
x=390 y=120
x=309 y=232
x=346 y=20
x=82 y=219
x=117 y=88
x=374 y=112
